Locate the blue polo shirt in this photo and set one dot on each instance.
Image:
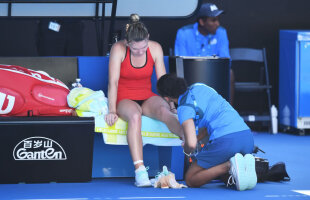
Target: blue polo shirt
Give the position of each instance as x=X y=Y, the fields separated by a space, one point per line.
x=189 y=42
x=216 y=114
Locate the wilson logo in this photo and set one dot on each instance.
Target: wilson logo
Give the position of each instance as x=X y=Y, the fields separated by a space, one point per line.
x=10 y=105
x=38 y=148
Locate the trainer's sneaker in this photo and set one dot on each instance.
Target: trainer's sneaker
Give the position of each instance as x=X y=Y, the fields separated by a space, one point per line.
x=237 y=172
x=250 y=170
x=142 y=177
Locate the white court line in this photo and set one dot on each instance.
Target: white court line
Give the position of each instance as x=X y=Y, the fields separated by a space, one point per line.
x=306 y=192
x=302 y=193
x=284 y=195
x=272 y=196
x=180 y=197
x=57 y=199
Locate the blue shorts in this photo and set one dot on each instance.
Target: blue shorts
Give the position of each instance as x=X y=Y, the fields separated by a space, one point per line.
x=223 y=148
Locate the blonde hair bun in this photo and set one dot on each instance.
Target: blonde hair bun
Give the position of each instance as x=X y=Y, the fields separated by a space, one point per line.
x=134 y=18
x=135 y=29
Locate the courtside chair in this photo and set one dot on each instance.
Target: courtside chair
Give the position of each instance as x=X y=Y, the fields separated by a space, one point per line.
x=250 y=58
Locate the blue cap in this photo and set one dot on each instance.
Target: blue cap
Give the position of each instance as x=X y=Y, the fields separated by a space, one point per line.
x=209 y=10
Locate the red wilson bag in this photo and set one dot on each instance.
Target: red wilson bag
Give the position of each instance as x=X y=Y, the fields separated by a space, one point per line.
x=25 y=92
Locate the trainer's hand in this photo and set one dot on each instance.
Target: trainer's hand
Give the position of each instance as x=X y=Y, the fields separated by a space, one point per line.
x=111 y=118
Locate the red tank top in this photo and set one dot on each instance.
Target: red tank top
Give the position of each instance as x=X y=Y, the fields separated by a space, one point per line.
x=135 y=83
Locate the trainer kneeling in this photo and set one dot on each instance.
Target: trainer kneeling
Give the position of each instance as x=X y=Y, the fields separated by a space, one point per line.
x=200 y=106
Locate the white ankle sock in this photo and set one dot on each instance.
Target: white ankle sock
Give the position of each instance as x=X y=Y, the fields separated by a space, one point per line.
x=137 y=162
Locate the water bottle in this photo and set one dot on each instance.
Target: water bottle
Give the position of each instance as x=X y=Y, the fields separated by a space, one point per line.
x=274 y=119
x=286 y=116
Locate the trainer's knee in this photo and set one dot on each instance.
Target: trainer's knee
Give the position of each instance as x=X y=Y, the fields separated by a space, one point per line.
x=190 y=182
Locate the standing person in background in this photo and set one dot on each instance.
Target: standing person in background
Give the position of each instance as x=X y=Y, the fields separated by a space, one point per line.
x=205 y=38
x=129 y=91
x=230 y=143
